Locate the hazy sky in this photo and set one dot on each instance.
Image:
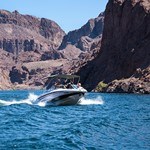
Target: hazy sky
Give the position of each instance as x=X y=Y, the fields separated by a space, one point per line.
x=69 y=14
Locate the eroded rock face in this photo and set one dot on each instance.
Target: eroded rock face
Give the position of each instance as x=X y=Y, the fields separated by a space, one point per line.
x=125 y=47
x=6 y=62
x=18 y=75
x=53 y=54
x=32 y=42
x=125 y=43
x=80 y=46
x=25 y=39
x=47 y=28
x=50 y=30
x=16 y=46
x=84 y=59
x=138 y=83
x=84 y=37
x=27 y=33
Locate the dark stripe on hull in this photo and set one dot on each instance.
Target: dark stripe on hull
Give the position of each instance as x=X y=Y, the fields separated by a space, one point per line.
x=68 y=99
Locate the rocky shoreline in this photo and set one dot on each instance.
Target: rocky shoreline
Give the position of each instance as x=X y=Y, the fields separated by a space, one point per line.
x=138 y=83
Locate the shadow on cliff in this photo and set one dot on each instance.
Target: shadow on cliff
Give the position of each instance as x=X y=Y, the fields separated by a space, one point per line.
x=125 y=44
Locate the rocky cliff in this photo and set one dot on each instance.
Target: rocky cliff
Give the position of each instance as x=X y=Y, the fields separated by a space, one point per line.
x=84 y=37
x=125 y=44
x=25 y=39
x=31 y=48
x=31 y=45
x=21 y=33
x=139 y=82
x=6 y=62
x=78 y=44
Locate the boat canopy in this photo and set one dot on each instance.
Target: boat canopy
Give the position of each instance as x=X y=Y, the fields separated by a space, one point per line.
x=64 y=76
x=62 y=79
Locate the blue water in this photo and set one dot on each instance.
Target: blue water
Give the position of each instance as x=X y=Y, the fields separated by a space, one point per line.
x=101 y=121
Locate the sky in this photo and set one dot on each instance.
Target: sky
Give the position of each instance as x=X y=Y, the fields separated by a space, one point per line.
x=68 y=14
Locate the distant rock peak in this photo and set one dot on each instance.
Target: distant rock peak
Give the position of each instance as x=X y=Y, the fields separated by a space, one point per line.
x=21 y=33
x=45 y=27
x=91 y=30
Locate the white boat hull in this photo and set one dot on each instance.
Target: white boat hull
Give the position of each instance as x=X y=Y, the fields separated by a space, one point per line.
x=61 y=97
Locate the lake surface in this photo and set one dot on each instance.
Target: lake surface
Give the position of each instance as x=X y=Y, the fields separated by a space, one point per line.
x=101 y=121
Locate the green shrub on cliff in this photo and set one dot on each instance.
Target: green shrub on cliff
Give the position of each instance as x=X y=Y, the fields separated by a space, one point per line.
x=101 y=86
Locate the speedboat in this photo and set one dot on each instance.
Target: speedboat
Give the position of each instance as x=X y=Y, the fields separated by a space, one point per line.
x=60 y=94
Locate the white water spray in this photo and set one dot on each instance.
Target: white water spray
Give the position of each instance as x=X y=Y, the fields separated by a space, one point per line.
x=31 y=100
x=92 y=101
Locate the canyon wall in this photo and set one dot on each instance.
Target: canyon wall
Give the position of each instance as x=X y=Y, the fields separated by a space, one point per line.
x=125 y=46
x=38 y=47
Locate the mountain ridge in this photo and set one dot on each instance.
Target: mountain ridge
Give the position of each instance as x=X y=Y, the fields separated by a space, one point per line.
x=32 y=41
x=111 y=53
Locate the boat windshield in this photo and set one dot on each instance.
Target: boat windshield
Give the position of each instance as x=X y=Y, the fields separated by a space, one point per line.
x=63 y=81
x=74 y=86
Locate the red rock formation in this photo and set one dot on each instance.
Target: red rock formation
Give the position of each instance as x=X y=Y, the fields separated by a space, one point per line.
x=25 y=39
x=19 y=33
x=125 y=43
x=84 y=37
x=82 y=45
x=6 y=62
x=139 y=82
x=32 y=43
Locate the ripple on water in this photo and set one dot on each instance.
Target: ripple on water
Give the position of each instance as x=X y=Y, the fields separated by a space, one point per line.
x=101 y=121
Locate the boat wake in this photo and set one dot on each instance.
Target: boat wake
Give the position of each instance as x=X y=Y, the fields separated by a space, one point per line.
x=92 y=101
x=32 y=100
